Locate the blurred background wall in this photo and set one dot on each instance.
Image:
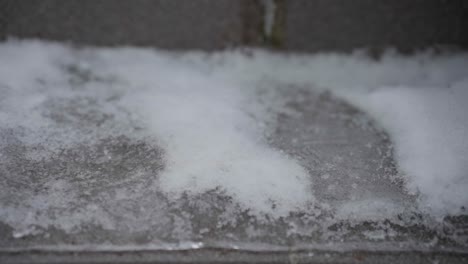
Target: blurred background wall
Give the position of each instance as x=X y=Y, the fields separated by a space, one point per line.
x=297 y=25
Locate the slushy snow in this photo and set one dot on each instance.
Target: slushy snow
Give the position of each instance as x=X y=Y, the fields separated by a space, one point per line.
x=201 y=110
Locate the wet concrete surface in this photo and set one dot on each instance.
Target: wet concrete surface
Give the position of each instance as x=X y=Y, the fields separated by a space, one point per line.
x=112 y=196
x=103 y=200
x=232 y=256
x=87 y=185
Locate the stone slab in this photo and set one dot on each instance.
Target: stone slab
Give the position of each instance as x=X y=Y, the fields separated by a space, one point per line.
x=340 y=25
x=200 y=24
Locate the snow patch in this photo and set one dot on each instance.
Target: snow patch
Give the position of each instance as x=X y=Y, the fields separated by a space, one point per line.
x=205 y=111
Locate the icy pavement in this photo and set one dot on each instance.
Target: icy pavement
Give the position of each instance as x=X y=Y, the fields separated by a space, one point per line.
x=138 y=148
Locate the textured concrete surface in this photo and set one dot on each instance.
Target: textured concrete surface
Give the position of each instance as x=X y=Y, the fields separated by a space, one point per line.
x=301 y=25
x=325 y=130
x=200 y=24
x=313 y=26
x=334 y=141
x=340 y=25
x=233 y=256
x=328 y=136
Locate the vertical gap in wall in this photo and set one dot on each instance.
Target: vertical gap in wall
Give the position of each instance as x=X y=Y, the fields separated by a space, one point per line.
x=279 y=22
x=274 y=22
x=252 y=19
x=269 y=8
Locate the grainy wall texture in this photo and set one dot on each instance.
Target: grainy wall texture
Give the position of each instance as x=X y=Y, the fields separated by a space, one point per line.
x=300 y=25
x=341 y=25
x=183 y=24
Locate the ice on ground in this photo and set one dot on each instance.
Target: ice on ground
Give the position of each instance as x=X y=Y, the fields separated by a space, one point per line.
x=211 y=142
x=418 y=100
x=429 y=128
x=236 y=145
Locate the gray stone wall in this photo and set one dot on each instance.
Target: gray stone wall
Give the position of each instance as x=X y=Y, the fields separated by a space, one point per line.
x=343 y=25
x=3 y=19
x=180 y=24
x=299 y=25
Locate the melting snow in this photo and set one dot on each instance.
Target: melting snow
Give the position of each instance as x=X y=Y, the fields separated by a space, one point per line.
x=206 y=120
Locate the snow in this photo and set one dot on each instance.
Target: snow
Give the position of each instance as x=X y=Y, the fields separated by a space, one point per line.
x=200 y=123
x=429 y=127
x=211 y=142
x=420 y=101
